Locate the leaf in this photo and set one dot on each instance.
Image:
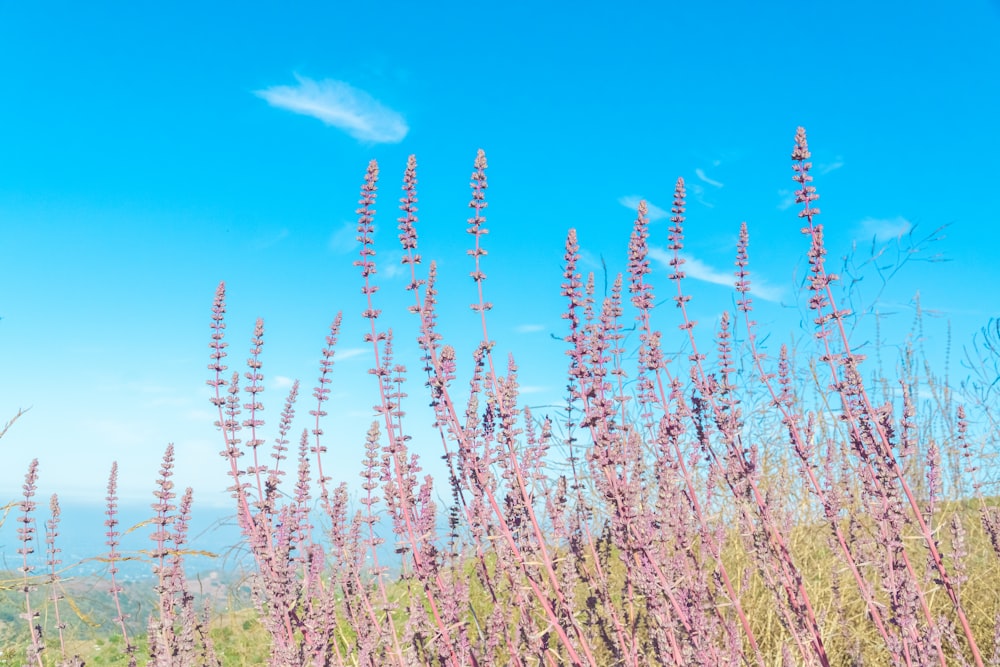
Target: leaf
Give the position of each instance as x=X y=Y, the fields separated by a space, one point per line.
x=80 y=614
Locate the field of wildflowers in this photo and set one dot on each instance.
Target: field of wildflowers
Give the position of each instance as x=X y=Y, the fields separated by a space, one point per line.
x=719 y=508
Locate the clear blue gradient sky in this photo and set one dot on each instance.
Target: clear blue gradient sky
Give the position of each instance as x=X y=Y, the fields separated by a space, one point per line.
x=148 y=151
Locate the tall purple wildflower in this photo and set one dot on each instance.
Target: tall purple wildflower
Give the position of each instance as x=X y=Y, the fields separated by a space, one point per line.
x=113 y=556
x=26 y=536
x=870 y=429
x=53 y=561
x=801 y=435
x=737 y=463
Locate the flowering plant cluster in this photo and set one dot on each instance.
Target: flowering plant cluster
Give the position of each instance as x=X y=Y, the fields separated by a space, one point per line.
x=686 y=511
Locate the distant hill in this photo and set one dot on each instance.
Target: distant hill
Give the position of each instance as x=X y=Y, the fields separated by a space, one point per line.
x=83 y=541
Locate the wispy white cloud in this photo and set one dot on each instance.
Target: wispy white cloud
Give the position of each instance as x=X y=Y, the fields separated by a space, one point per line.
x=589 y=261
x=345 y=239
x=699 y=270
x=200 y=416
x=827 y=167
x=282 y=382
x=700 y=173
x=391 y=270
x=654 y=212
x=115 y=432
x=529 y=328
x=787 y=200
x=264 y=242
x=168 y=402
x=340 y=105
x=699 y=194
x=884 y=229
x=389 y=264
x=350 y=353
x=150 y=394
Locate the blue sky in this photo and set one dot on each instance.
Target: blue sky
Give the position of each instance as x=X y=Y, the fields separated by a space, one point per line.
x=149 y=151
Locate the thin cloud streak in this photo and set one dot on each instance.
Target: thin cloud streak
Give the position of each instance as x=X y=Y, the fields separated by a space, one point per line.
x=699 y=270
x=282 y=382
x=265 y=242
x=699 y=195
x=885 y=229
x=787 y=200
x=826 y=168
x=340 y=105
x=700 y=173
x=654 y=212
x=350 y=353
x=345 y=239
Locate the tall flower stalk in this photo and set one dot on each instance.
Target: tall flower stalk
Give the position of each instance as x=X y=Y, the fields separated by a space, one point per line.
x=869 y=434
